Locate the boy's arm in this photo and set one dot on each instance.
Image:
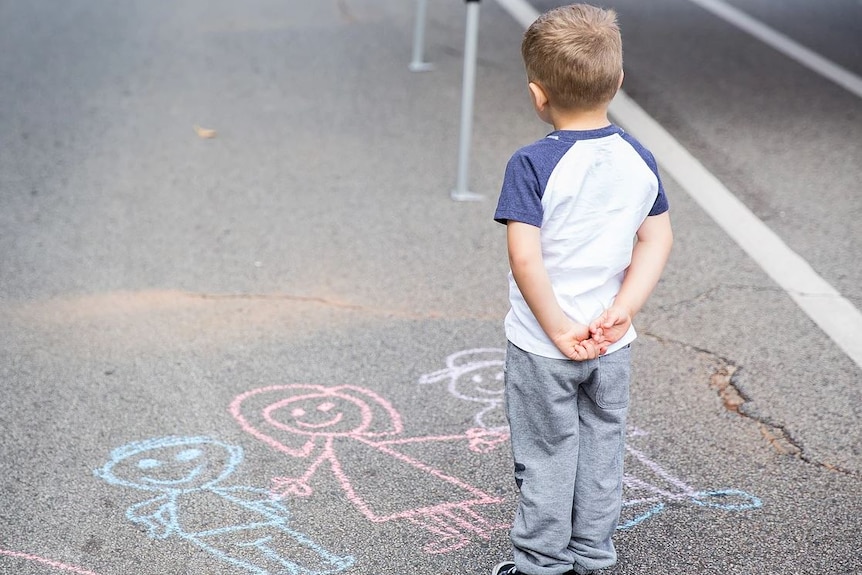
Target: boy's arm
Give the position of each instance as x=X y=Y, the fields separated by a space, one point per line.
x=525 y=258
x=650 y=254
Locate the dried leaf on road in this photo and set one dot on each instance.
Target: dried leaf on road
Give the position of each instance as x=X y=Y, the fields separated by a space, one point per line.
x=205 y=132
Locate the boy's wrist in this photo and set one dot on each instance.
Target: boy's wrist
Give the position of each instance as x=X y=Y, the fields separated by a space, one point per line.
x=624 y=309
x=566 y=330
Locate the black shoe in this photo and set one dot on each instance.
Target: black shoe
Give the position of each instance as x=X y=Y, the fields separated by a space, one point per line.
x=505 y=568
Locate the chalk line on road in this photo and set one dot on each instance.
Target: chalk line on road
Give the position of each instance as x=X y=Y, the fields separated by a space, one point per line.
x=44 y=561
x=831 y=311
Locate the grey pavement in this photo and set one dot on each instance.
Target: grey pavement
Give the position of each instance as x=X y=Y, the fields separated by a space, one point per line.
x=150 y=277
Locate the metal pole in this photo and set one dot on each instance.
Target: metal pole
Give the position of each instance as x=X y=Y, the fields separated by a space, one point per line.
x=468 y=89
x=418 y=63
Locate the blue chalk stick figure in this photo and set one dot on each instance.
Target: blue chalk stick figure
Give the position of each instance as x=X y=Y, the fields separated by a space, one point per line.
x=240 y=525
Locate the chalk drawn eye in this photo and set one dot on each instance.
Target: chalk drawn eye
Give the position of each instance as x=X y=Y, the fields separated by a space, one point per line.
x=149 y=463
x=188 y=455
x=477 y=378
x=324 y=407
x=298 y=412
x=500 y=376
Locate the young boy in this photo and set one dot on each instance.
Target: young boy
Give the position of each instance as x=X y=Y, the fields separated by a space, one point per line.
x=573 y=204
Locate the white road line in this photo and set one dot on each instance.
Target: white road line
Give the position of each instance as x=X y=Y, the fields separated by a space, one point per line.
x=783 y=44
x=835 y=315
x=832 y=312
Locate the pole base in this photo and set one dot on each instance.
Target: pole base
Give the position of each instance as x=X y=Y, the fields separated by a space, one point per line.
x=421 y=66
x=465 y=196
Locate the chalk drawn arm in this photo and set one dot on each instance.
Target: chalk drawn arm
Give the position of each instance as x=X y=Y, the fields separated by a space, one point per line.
x=444 y=374
x=158 y=515
x=478 y=439
x=257 y=499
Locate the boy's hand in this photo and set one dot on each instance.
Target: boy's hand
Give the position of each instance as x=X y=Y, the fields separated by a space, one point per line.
x=611 y=325
x=577 y=344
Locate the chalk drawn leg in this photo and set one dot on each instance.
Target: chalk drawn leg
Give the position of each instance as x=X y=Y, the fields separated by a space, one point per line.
x=635 y=512
x=271 y=550
x=652 y=487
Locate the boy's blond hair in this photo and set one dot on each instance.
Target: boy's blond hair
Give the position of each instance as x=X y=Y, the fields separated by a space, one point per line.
x=575 y=53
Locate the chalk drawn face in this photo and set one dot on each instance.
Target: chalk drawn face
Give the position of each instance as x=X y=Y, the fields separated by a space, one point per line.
x=171 y=464
x=330 y=413
x=483 y=383
x=473 y=375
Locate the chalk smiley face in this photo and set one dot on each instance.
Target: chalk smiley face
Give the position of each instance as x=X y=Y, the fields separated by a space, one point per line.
x=300 y=416
x=328 y=413
x=485 y=382
x=184 y=467
x=171 y=463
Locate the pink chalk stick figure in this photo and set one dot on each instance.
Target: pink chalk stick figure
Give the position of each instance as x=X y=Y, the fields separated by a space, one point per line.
x=355 y=433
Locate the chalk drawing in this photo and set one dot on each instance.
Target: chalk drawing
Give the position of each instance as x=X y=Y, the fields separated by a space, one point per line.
x=648 y=487
x=239 y=525
x=477 y=375
x=49 y=562
x=357 y=436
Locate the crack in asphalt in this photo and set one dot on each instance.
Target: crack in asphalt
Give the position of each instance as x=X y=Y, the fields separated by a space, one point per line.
x=734 y=400
x=711 y=291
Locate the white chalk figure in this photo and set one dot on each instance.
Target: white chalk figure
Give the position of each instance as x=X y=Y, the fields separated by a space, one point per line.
x=354 y=436
x=239 y=525
x=648 y=488
x=477 y=375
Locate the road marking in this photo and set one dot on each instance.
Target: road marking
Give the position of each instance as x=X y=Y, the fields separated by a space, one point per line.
x=783 y=44
x=832 y=312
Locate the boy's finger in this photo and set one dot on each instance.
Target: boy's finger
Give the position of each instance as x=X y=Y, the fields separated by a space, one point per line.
x=612 y=319
x=582 y=351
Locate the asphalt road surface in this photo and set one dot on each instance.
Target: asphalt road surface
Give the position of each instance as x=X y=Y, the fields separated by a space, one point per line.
x=244 y=329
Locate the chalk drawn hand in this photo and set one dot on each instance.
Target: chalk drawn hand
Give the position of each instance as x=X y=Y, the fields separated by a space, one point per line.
x=158 y=522
x=285 y=486
x=485 y=441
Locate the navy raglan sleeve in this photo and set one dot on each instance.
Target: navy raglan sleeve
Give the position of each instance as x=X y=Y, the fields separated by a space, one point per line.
x=521 y=195
x=660 y=205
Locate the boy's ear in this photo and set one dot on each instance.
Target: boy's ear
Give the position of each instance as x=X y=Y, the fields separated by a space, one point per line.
x=538 y=96
x=622 y=75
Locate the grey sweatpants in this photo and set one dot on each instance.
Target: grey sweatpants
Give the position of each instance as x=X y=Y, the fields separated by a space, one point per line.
x=567 y=421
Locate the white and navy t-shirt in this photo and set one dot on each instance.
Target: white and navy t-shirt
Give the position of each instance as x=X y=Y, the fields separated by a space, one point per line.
x=589 y=192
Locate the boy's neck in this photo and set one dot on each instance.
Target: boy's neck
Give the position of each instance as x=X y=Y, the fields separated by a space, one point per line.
x=580 y=119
